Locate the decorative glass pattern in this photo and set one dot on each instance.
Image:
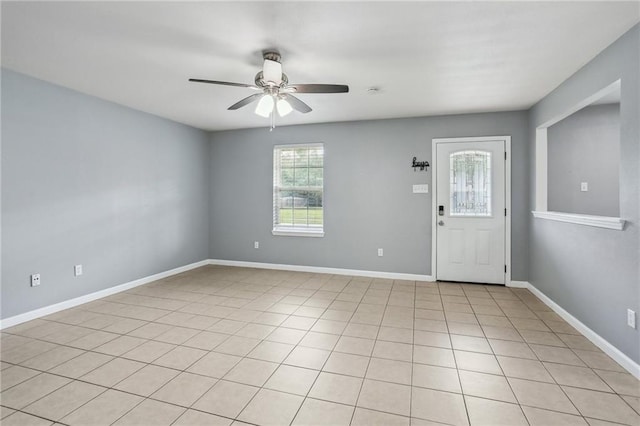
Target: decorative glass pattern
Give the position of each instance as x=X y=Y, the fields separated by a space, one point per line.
x=470 y=183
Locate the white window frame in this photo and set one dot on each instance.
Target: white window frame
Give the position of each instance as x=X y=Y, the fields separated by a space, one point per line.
x=541 y=211
x=297 y=231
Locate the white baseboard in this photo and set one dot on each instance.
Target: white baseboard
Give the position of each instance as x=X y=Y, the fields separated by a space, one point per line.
x=627 y=363
x=323 y=270
x=48 y=310
x=518 y=284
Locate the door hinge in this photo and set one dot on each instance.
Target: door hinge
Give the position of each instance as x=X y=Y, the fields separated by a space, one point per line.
x=505 y=155
x=505 y=269
x=505 y=211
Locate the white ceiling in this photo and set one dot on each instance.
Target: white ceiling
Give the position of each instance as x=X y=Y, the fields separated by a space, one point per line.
x=427 y=58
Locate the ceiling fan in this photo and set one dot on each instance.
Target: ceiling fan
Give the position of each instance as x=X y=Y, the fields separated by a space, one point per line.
x=275 y=93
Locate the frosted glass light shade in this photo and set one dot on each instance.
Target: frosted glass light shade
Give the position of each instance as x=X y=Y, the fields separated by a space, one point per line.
x=265 y=106
x=283 y=107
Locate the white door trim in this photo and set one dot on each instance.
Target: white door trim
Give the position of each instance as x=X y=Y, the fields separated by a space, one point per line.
x=507 y=200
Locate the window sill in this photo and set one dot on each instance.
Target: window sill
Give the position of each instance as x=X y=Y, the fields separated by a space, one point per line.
x=297 y=233
x=583 y=219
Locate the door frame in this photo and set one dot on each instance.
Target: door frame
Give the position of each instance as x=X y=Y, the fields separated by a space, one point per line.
x=507 y=199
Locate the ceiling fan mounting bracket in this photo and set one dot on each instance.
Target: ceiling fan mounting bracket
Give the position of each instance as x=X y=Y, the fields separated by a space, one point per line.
x=271 y=56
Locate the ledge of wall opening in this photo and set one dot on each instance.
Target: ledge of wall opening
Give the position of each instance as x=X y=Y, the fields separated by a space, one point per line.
x=541 y=169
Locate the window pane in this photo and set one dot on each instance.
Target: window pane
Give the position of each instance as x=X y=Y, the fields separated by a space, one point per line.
x=298 y=187
x=470 y=183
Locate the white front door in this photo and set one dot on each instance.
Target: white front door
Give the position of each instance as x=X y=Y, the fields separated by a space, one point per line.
x=470 y=211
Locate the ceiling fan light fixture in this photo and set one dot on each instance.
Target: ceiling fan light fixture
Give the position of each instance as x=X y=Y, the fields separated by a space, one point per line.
x=272 y=72
x=265 y=106
x=283 y=107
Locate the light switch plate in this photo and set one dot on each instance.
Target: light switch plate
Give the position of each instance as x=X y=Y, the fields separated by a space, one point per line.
x=77 y=270
x=422 y=188
x=584 y=186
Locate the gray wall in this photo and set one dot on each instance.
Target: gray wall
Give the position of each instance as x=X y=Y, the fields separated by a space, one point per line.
x=368 y=199
x=585 y=147
x=90 y=182
x=593 y=273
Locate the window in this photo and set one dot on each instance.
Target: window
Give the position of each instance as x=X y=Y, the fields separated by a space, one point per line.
x=298 y=190
x=470 y=183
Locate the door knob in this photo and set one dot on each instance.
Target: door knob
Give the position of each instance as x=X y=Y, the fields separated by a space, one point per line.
x=441 y=223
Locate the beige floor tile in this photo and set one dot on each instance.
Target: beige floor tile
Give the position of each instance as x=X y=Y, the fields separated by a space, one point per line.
x=184 y=389
x=329 y=326
x=93 y=340
x=320 y=340
x=299 y=323
x=251 y=372
x=81 y=365
x=307 y=357
x=494 y=413
x=147 y=380
x=388 y=397
x=104 y=409
x=271 y=351
x=438 y=406
x=429 y=314
x=270 y=407
x=198 y=418
x=399 y=335
x=150 y=330
x=119 y=345
x=494 y=321
x=23 y=394
x=541 y=338
x=6 y=411
x=151 y=412
x=578 y=342
x=598 y=360
x=465 y=329
x=512 y=349
x=148 y=351
x=634 y=402
x=29 y=350
x=226 y=326
x=206 y=340
x=439 y=378
x=602 y=406
x=323 y=413
x=580 y=377
x=336 y=388
x=52 y=358
x=428 y=338
x=355 y=345
x=226 y=399
x=557 y=355
x=393 y=350
x=14 y=375
x=236 y=345
x=542 y=395
x=621 y=383
x=471 y=344
x=365 y=331
x=524 y=369
x=364 y=417
x=214 y=364
x=290 y=379
x=255 y=331
x=180 y=358
x=177 y=335
x=348 y=364
x=475 y=361
x=112 y=372
x=23 y=419
x=286 y=335
x=61 y=402
x=539 y=417
x=389 y=370
x=486 y=386
x=502 y=333
x=433 y=356
x=429 y=325
x=596 y=422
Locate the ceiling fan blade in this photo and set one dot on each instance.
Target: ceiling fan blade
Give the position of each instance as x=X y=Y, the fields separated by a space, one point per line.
x=272 y=71
x=319 y=88
x=297 y=104
x=246 y=101
x=223 y=83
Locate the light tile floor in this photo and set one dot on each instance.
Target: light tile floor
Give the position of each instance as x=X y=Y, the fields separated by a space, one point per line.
x=222 y=345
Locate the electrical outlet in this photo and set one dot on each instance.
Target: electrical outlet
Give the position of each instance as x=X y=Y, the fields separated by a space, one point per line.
x=35 y=280
x=631 y=318
x=380 y=252
x=584 y=186
x=256 y=244
x=77 y=270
